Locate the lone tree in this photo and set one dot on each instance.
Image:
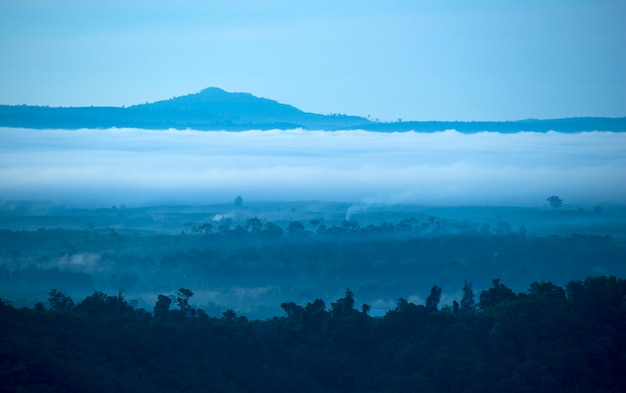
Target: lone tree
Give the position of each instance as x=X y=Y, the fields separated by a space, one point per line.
x=238 y=200
x=467 y=302
x=59 y=300
x=162 y=307
x=344 y=306
x=555 y=201
x=432 y=301
x=182 y=299
x=498 y=293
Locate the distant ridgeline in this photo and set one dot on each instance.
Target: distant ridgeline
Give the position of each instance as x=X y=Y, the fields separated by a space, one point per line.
x=215 y=109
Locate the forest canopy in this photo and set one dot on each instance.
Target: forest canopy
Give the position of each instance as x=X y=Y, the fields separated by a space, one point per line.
x=547 y=339
x=173 y=299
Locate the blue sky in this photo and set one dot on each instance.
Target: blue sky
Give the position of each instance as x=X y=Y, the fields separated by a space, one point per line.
x=414 y=60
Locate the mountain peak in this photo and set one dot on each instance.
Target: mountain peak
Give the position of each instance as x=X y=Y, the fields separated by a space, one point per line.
x=216 y=97
x=213 y=107
x=216 y=92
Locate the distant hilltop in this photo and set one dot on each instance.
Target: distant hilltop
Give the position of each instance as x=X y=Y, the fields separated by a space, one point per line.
x=209 y=109
x=216 y=109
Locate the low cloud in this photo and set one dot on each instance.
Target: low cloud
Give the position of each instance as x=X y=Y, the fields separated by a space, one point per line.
x=103 y=167
x=84 y=262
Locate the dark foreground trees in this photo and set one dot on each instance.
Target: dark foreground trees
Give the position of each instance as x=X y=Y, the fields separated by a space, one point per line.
x=547 y=339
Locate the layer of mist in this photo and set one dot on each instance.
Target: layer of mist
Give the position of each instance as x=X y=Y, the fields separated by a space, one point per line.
x=138 y=167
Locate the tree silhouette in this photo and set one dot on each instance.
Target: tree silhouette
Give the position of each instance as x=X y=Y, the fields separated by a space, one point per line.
x=254 y=225
x=292 y=309
x=555 y=201
x=162 y=307
x=182 y=299
x=229 y=315
x=295 y=229
x=432 y=301
x=498 y=293
x=467 y=302
x=59 y=301
x=344 y=306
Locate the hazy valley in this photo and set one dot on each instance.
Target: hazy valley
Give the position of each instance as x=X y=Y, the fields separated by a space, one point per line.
x=253 y=257
x=309 y=237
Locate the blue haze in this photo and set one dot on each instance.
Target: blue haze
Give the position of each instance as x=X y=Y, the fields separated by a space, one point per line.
x=141 y=167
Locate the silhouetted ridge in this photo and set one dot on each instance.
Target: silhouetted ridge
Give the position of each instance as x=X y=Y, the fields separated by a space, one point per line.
x=217 y=103
x=209 y=109
x=216 y=109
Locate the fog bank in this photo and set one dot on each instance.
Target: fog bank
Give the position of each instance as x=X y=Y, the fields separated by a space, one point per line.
x=134 y=167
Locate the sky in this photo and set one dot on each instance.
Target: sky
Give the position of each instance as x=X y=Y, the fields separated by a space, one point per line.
x=398 y=59
x=101 y=168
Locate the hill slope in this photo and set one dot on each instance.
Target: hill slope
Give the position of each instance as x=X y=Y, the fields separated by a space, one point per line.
x=216 y=109
x=209 y=109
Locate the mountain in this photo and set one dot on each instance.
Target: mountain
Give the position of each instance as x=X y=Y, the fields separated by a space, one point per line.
x=216 y=109
x=209 y=109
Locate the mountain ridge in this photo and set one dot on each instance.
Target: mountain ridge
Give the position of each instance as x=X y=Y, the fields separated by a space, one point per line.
x=215 y=109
